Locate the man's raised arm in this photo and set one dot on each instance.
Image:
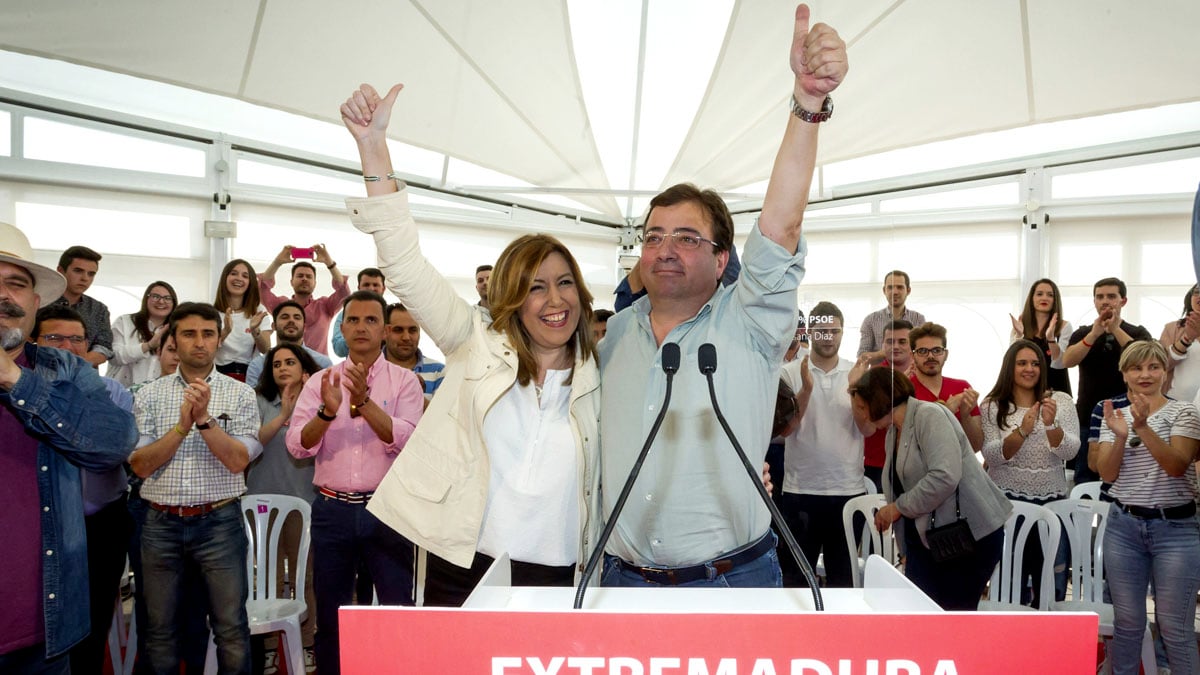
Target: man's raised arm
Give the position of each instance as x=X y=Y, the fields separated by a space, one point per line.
x=818 y=59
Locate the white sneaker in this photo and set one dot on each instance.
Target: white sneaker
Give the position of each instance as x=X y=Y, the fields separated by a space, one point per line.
x=310 y=661
x=271 y=662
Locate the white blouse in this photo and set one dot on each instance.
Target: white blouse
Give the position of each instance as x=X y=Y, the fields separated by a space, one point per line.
x=129 y=364
x=532 y=511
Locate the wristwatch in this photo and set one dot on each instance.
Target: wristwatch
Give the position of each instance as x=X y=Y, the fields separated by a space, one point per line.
x=322 y=415
x=813 y=117
x=356 y=410
x=207 y=424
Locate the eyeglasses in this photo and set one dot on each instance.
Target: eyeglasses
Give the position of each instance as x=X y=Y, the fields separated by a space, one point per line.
x=685 y=240
x=926 y=351
x=158 y=298
x=56 y=339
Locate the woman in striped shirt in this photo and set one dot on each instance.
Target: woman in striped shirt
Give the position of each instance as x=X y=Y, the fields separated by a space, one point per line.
x=1146 y=452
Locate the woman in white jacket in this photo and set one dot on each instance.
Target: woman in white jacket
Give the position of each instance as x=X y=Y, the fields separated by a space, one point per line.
x=137 y=337
x=504 y=460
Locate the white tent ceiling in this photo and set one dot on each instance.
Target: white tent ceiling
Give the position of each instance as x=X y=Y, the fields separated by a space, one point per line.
x=501 y=85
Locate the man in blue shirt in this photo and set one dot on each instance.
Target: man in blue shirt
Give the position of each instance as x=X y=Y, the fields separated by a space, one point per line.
x=695 y=518
x=400 y=347
x=369 y=279
x=55 y=411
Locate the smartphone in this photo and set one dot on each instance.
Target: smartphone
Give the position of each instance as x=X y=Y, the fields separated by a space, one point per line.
x=301 y=253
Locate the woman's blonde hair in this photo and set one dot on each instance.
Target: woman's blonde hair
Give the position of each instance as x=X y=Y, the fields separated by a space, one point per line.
x=1140 y=351
x=509 y=287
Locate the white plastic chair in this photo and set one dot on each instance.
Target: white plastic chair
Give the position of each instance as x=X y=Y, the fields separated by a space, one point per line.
x=1089 y=490
x=122 y=636
x=1004 y=590
x=1085 y=521
x=268 y=612
x=869 y=486
x=872 y=541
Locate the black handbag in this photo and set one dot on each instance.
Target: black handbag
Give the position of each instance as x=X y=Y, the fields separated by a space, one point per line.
x=953 y=541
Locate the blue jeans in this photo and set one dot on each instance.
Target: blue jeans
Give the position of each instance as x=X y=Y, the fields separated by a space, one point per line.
x=1137 y=551
x=762 y=572
x=343 y=536
x=216 y=544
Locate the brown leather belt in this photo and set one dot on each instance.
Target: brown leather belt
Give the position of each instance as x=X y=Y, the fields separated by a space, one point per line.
x=191 y=511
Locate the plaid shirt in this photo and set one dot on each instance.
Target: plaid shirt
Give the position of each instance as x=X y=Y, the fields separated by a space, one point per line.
x=872 y=327
x=195 y=475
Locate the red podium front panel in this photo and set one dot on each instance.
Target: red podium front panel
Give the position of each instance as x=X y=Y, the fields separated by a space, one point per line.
x=488 y=642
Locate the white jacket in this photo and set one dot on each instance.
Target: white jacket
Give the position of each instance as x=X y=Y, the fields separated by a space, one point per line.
x=436 y=490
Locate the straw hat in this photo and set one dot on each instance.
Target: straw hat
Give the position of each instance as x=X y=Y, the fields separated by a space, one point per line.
x=15 y=249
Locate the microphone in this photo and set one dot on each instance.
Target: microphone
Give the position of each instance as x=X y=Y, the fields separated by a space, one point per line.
x=670 y=366
x=706 y=359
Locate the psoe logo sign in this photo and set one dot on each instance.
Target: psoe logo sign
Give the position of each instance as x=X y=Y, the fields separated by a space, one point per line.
x=623 y=665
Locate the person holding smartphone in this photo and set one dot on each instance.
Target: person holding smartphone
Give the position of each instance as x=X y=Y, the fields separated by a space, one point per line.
x=318 y=312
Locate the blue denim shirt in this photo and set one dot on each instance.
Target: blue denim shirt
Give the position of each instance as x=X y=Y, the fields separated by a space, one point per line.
x=63 y=403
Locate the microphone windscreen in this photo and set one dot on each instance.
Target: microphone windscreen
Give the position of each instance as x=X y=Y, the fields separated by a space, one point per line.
x=670 y=357
x=706 y=358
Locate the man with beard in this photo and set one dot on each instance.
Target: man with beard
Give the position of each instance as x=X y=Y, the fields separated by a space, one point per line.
x=106 y=515
x=482 y=274
x=55 y=418
x=929 y=356
x=198 y=430
x=318 y=311
x=896 y=288
x=823 y=457
x=402 y=337
x=1096 y=349
x=289 y=320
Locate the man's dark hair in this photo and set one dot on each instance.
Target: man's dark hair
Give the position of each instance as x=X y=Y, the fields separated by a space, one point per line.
x=483 y=268
x=1110 y=281
x=371 y=296
x=394 y=307
x=899 y=273
x=602 y=315
x=369 y=272
x=201 y=309
x=709 y=201
x=71 y=254
x=928 y=329
x=897 y=324
x=826 y=308
x=289 y=303
x=56 y=313
x=303 y=263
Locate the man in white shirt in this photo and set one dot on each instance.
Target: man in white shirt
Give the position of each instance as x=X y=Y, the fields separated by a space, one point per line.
x=823 y=457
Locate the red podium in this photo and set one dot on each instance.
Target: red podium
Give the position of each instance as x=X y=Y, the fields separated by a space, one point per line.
x=888 y=627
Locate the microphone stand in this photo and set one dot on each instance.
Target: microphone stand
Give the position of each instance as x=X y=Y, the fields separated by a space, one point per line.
x=707 y=360
x=670 y=366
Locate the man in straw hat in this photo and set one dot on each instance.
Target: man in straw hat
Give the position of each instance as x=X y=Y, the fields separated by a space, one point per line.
x=55 y=417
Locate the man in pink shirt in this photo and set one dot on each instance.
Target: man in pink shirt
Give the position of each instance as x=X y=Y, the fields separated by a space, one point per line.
x=318 y=312
x=355 y=417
